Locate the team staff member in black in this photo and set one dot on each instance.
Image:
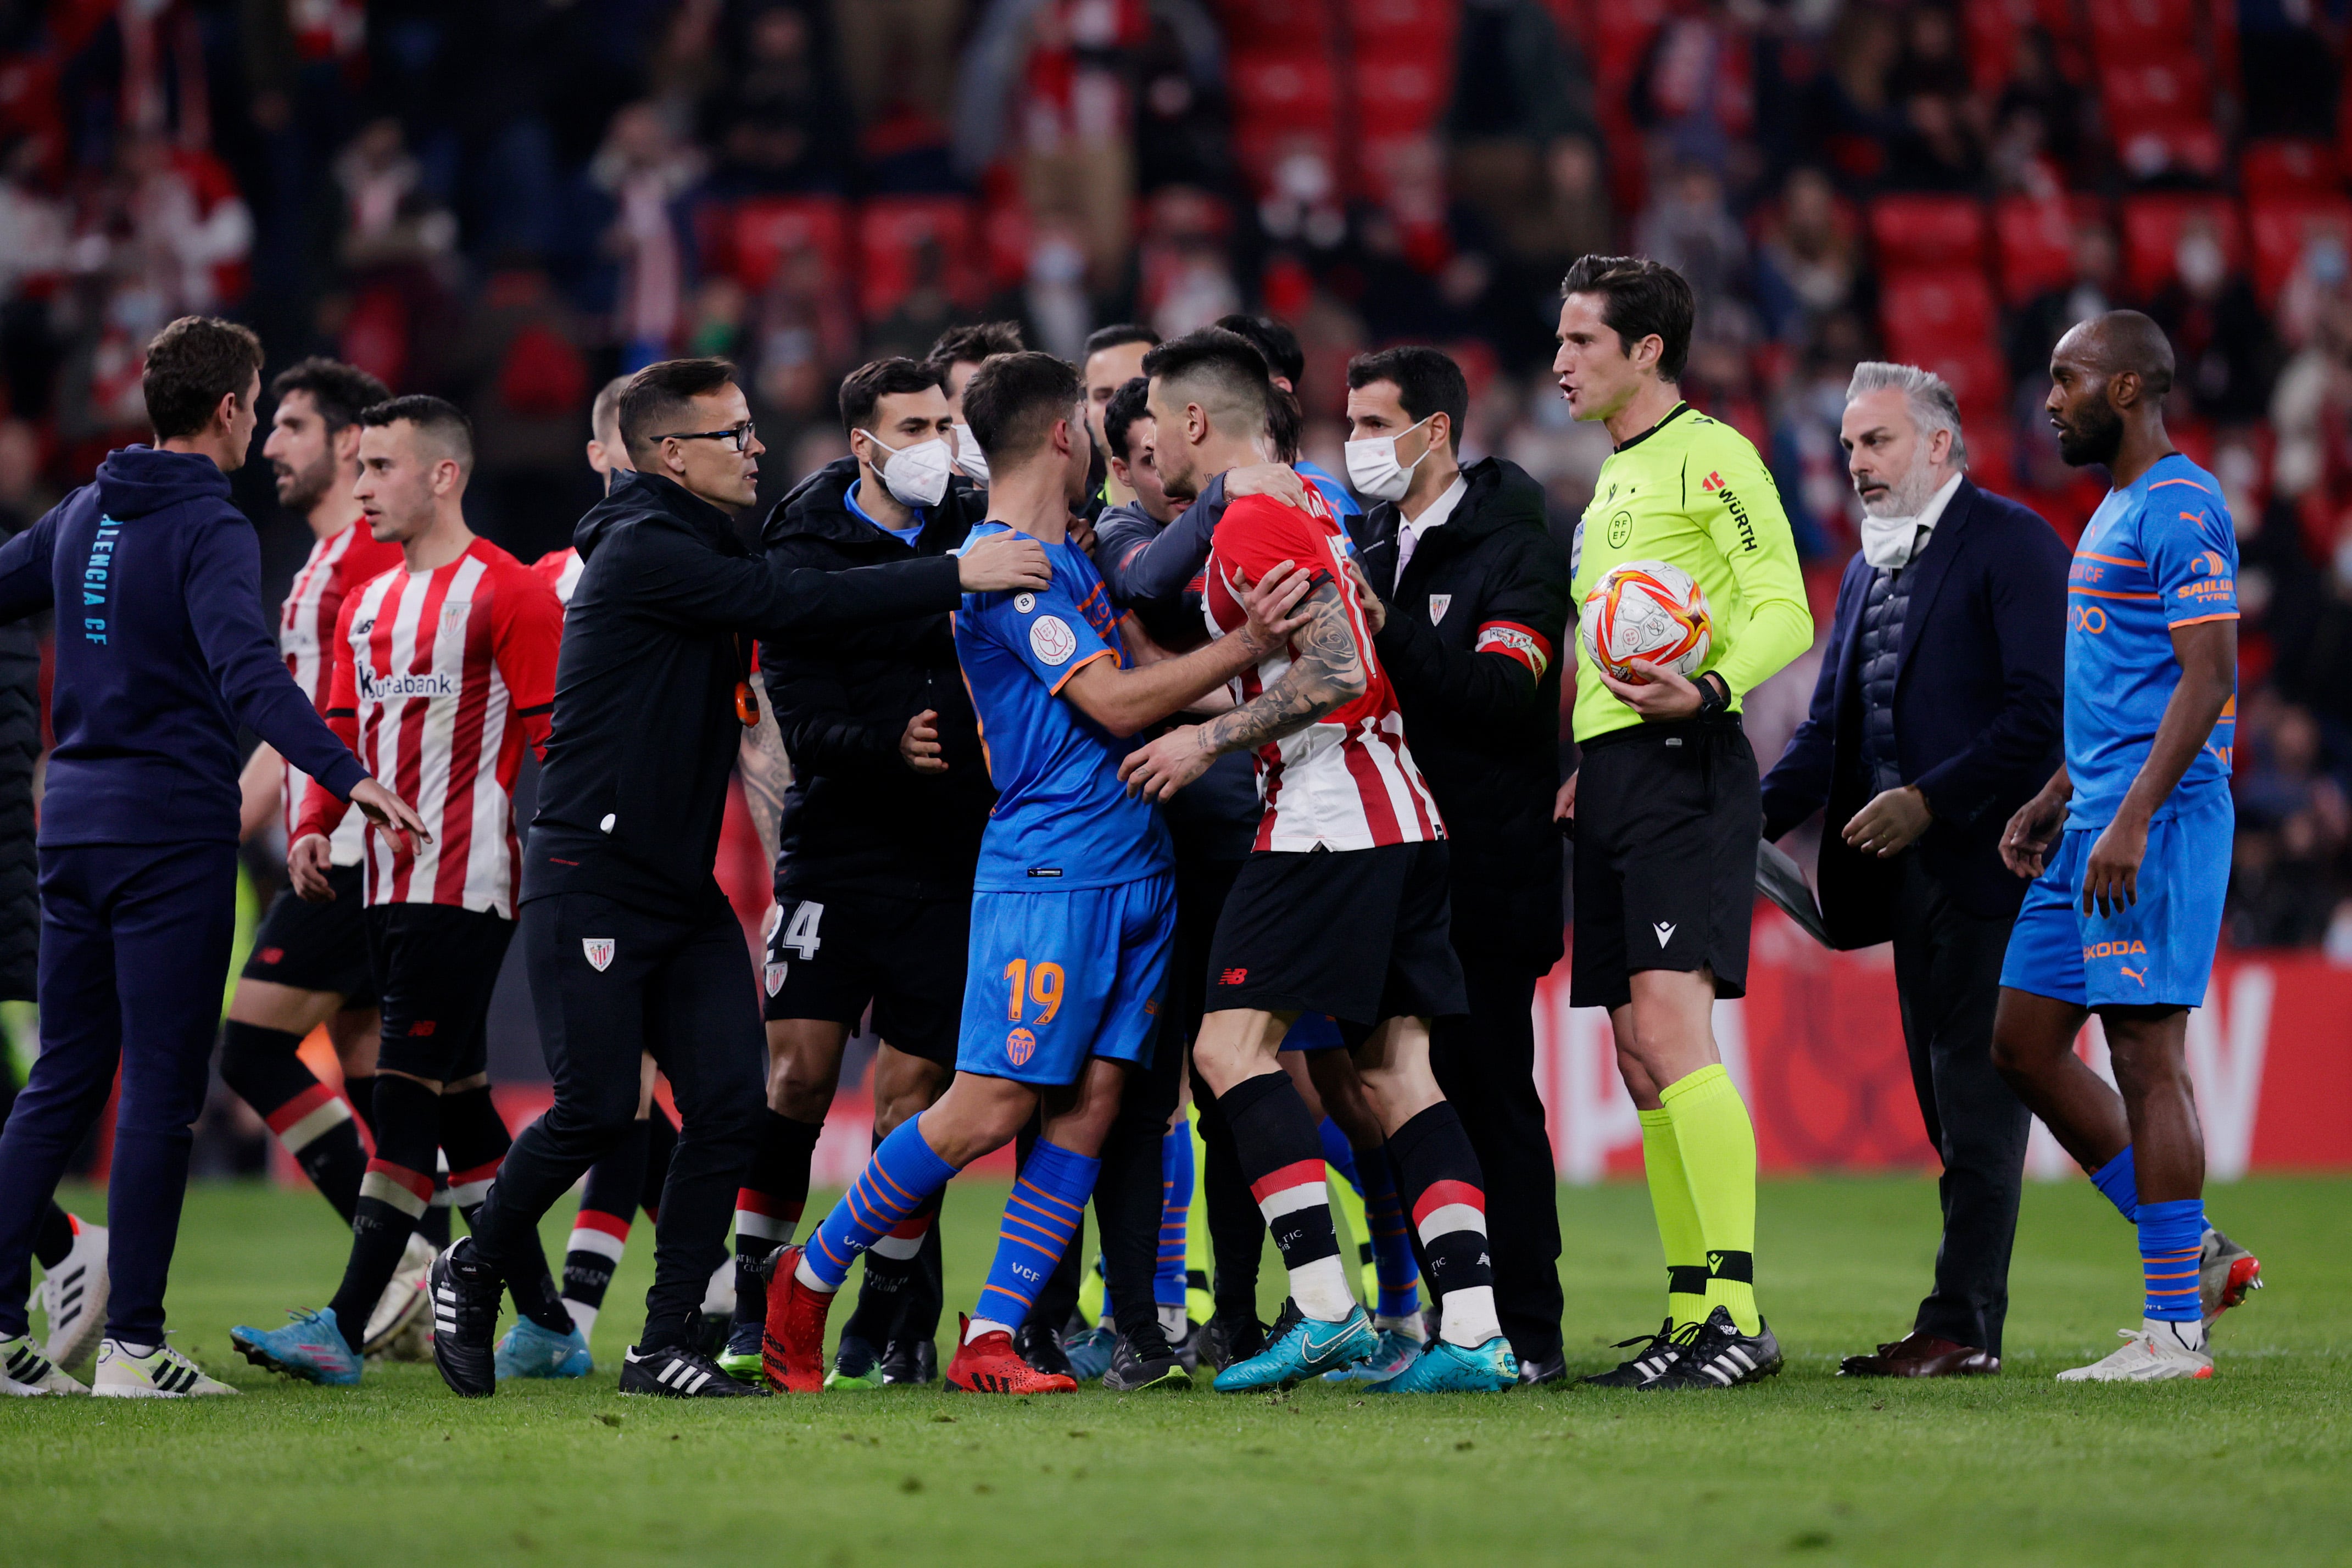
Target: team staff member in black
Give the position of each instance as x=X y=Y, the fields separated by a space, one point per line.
x=629 y=944
x=880 y=840
x=1476 y=593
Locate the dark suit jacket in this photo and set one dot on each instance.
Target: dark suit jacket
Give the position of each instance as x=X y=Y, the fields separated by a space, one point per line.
x=1979 y=705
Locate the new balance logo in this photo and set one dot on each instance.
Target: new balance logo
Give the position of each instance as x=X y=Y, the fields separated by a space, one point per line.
x=1232 y=976
x=1666 y=930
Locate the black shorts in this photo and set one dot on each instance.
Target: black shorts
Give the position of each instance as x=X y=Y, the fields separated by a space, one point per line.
x=318 y=946
x=439 y=966
x=1667 y=818
x=1363 y=935
x=831 y=955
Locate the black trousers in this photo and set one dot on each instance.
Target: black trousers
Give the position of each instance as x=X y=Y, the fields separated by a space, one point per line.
x=1485 y=1063
x=1947 y=974
x=683 y=990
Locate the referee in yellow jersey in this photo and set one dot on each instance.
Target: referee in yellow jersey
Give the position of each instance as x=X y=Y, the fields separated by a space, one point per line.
x=1664 y=803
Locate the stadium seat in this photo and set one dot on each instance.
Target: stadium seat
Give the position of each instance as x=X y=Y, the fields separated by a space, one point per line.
x=2033 y=242
x=2283 y=227
x=1927 y=231
x=1276 y=26
x=763 y=230
x=2159 y=113
x=1978 y=376
x=2123 y=31
x=1990 y=30
x=1275 y=93
x=904 y=241
x=1397 y=95
x=1928 y=313
x=2283 y=166
x=1622 y=31
x=2151 y=233
x=1403 y=27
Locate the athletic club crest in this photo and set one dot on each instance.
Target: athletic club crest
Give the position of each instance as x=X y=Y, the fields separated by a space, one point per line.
x=599 y=951
x=1438 y=605
x=773 y=977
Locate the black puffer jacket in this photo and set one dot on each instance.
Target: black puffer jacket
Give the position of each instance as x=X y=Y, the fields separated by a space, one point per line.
x=857 y=818
x=20 y=746
x=1473 y=647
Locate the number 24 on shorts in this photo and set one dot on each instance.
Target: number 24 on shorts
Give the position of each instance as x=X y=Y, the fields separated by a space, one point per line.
x=1043 y=985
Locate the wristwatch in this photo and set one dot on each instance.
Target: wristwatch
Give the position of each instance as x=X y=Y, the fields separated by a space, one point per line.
x=1713 y=695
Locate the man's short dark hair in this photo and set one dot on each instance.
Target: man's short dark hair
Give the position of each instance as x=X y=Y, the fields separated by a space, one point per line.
x=338 y=390
x=973 y=344
x=1116 y=334
x=604 y=413
x=1426 y=382
x=1130 y=402
x=441 y=421
x=863 y=389
x=1640 y=296
x=663 y=392
x=1270 y=338
x=1226 y=369
x=192 y=364
x=1012 y=400
x=2127 y=340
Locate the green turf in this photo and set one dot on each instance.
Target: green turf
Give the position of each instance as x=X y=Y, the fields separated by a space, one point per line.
x=2252 y=1465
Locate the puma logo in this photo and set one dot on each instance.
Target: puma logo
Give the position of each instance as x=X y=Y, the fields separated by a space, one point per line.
x=2139 y=976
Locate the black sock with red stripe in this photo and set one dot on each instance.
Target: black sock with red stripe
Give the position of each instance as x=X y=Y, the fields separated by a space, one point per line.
x=1280 y=1152
x=392 y=1196
x=265 y=1068
x=1442 y=1190
x=768 y=1204
x=475 y=1138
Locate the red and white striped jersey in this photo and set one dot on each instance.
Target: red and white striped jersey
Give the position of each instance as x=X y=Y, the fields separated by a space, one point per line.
x=559 y=570
x=441 y=677
x=337 y=564
x=1347 y=781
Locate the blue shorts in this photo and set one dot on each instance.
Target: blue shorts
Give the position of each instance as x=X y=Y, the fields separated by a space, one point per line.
x=1057 y=978
x=1313 y=1031
x=2157 y=952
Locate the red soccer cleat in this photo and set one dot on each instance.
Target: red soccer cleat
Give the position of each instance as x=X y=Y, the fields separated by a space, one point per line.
x=792 y=1347
x=990 y=1365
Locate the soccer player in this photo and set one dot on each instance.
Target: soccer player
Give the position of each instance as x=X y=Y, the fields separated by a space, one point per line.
x=2128 y=841
x=1286 y=364
x=309 y=964
x=1350 y=840
x=1074 y=910
x=444 y=670
x=880 y=831
x=1665 y=801
x=958 y=356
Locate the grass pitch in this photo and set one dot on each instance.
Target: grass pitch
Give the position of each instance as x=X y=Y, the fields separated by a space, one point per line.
x=2253 y=1464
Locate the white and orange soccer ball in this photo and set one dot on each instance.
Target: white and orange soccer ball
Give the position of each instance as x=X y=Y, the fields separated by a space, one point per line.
x=1646 y=609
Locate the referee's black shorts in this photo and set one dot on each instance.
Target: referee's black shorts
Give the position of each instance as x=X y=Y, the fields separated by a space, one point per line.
x=1667 y=818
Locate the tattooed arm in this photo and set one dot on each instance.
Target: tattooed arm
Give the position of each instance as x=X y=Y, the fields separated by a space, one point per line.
x=1326 y=672
x=767 y=772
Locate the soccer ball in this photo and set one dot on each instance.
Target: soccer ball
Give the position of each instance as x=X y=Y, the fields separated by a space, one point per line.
x=1646 y=609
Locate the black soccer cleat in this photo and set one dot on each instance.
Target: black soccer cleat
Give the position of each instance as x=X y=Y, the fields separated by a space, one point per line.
x=1143 y=1360
x=910 y=1363
x=675 y=1372
x=1222 y=1340
x=466 y=1293
x=1657 y=1352
x=1038 y=1345
x=1552 y=1368
x=1720 y=1356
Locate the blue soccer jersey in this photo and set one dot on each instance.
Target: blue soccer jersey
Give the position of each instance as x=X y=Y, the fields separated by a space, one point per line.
x=2158 y=554
x=1063 y=819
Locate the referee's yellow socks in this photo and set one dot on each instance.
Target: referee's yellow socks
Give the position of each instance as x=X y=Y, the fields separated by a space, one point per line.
x=1669 y=1201
x=1717 y=1145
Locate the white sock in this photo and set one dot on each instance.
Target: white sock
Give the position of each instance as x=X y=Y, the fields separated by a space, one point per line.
x=1469 y=1317
x=1172 y=1323
x=1409 y=1326
x=2188 y=1335
x=583 y=1316
x=984 y=1326
x=807 y=1276
x=1320 y=1289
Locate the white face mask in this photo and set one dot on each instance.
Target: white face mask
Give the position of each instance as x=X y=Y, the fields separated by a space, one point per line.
x=916 y=475
x=970 y=458
x=1373 y=469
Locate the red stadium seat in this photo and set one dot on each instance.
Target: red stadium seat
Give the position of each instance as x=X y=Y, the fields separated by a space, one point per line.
x=2151 y=233
x=906 y=241
x=2287 y=166
x=2283 y=227
x=1275 y=25
x=1927 y=314
x=2160 y=113
x=1979 y=378
x=2033 y=238
x=1275 y=93
x=1401 y=95
x=1622 y=31
x=1927 y=231
x=2130 y=30
x=764 y=230
x=1394 y=27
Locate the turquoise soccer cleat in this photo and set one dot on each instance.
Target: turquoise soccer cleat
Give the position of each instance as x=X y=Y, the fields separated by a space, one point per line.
x=1395 y=1353
x=1300 y=1347
x=528 y=1350
x=1090 y=1353
x=310 y=1347
x=1445 y=1368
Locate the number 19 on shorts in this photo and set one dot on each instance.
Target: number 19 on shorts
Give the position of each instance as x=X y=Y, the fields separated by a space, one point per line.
x=1042 y=985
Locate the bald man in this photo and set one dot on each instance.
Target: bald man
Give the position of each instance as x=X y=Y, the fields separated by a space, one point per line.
x=2126 y=906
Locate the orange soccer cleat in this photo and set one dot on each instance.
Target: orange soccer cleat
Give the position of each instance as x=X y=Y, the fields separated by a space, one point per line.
x=990 y=1365
x=791 y=1348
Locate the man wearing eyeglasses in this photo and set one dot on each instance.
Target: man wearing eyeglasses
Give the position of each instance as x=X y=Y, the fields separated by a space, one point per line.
x=629 y=944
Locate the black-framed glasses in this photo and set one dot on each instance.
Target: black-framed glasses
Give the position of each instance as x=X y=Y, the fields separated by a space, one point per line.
x=738 y=436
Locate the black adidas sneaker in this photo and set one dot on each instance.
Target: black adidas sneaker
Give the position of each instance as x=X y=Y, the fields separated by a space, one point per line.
x=465 y=1293
x=675 y=1372
x=1042 y=1349
x=1222 y=1340
x=1658 y=1351
x=910 y=1363
x=1144 y=1360
x=1720 y=1356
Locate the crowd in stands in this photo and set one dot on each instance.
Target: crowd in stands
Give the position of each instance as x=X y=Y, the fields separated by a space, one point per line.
x=506 y=203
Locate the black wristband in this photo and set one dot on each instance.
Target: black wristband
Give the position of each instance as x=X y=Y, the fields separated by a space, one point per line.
x=1714 y=693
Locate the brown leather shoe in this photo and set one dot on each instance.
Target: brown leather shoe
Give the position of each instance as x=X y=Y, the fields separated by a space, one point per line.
x=1917 y=1354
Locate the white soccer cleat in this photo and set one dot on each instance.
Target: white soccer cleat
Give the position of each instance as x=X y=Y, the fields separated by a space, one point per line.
x=2150 y=1353
x=26 y=1374
x=161 y=1373
x=73 y=1297
x=718 y=1295
x=403 y=1301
